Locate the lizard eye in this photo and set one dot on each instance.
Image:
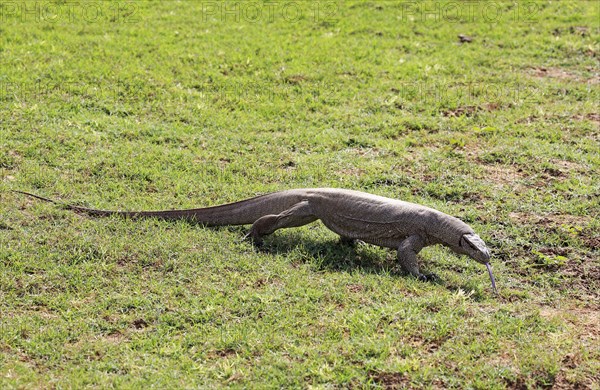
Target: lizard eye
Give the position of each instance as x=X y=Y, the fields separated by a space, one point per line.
x=469 y=243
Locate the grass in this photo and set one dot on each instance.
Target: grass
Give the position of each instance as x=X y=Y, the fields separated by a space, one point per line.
x=158 y=105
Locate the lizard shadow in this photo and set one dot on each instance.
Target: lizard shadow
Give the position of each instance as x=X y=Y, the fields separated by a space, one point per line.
x=333 y=255
x=343 y=257
x=330 y=255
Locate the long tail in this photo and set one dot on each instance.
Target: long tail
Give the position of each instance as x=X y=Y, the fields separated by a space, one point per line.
x=238 y=213
x=95 y=212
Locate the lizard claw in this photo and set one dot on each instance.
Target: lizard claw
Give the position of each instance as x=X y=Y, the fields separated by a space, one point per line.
x=428 y=277
x=351 y=241
x=258 y=242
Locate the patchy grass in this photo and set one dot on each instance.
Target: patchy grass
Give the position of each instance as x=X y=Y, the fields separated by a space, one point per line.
x=158 y=105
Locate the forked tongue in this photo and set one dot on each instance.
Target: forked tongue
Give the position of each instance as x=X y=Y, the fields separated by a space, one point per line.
x=489 y=268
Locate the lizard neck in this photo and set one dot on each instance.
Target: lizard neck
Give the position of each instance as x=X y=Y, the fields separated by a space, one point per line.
x=447 y=230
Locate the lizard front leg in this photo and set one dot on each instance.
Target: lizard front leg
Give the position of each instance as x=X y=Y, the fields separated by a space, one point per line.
x=298 y=215
x=407 y=255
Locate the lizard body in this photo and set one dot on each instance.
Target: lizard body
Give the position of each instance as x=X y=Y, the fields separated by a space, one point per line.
x=354 y=215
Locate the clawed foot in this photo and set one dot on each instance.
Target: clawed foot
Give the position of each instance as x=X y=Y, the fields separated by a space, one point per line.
x=256 y=241
x=350 y=241
x=428 y=277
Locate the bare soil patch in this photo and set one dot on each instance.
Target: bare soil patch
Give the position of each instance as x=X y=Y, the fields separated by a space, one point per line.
x=503 y=174
x=569 y=165
x=586 y=321
x=592 y=116
x=295 y=79
x=578 y=267
x=355 y=288
x=557 y=73
x=115 y=337
x=471 y=110
x=551 y=219
x=390 y=380
x=222 y=353
x=139 y=323
x=354 y=172
x=585 y=325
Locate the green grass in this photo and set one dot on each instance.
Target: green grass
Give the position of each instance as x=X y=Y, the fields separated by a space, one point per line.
x=158 y=105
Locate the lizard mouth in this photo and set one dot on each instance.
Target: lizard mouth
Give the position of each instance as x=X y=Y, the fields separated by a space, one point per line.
x=489 y=268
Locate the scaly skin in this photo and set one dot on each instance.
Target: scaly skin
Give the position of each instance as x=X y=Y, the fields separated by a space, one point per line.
x=354 y=215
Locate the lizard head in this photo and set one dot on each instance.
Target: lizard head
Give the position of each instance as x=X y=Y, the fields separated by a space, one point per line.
x=473 y=246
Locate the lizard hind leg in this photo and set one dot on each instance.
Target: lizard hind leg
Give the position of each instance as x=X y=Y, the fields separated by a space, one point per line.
x=298 y=215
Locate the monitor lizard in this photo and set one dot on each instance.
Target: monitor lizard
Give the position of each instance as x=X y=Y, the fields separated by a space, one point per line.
x=354 y=215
